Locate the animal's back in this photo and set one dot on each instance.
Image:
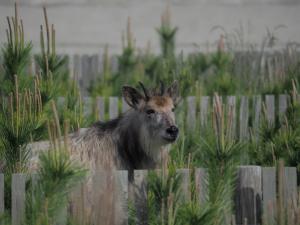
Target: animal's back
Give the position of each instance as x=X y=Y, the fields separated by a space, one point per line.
x=96 y=146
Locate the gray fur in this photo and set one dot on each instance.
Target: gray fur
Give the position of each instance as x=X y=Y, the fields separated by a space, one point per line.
x=132 y=141
x=135 y=140
x=124 y=143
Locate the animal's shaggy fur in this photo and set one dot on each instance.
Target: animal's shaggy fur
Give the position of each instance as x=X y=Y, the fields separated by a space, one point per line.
x=117 y=144
x=132 y=141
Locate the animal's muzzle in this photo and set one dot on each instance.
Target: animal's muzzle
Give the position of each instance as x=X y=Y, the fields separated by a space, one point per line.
x=172 y=131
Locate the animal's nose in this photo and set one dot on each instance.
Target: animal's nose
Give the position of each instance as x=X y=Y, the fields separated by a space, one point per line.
x=173 y=131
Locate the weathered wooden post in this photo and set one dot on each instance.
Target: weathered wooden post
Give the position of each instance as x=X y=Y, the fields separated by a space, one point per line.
x=231 y=109
x=244 y=116
x=185 y=184
x=18 y=198
x=204 y=111
x=113 y=107
x=248 y=197
x=100 y=108
x=269 y=195
x=1 y=193
x=191 y=112
x=257 y=107
x=201 y=179
x=140 y=196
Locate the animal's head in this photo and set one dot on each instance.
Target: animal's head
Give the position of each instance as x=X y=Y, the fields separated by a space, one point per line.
x=155 y=110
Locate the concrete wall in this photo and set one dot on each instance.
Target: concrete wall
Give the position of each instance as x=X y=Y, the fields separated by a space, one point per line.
x=87 y=25
x=49 y=2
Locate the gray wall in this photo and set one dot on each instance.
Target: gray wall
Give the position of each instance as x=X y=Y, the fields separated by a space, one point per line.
x=36 y=2
x=87 y=25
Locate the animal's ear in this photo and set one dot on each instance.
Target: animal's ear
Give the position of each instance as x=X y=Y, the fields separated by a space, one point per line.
x=132 y=97
x=173 y=92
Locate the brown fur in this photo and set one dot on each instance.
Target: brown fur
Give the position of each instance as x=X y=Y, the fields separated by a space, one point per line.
x=161 y=102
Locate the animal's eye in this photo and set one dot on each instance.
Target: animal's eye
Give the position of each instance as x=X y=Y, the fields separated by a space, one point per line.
x=150 y=111
x=173 y=109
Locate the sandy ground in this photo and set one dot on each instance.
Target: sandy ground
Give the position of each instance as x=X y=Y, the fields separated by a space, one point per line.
x=86 y=28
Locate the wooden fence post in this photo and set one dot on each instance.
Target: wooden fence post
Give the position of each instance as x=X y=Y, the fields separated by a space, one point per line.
x=244 y=116
x=87 y=106
x=18 y=198
x=248 y=197
x=114 y=64
x=290 y=184
x=101 y=108
x=71 y=67
x=101 y=66
x=283 y=105
x=257 y=105
x=94 y=64
x=103 y=197
x=270 y=107
x=140 y=196
x=1 y=193
x=85 y=79
x=231 y=108
x=191 y=112
x=110 y=198
x=122 y=193
x=201 y=180
x=113 y=107
x=77 y=204
x=77 y=67
x=269 y=194
x=185 y=184
x=204 y=111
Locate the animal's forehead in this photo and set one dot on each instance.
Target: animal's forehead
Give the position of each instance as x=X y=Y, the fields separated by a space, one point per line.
x=160 y=102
